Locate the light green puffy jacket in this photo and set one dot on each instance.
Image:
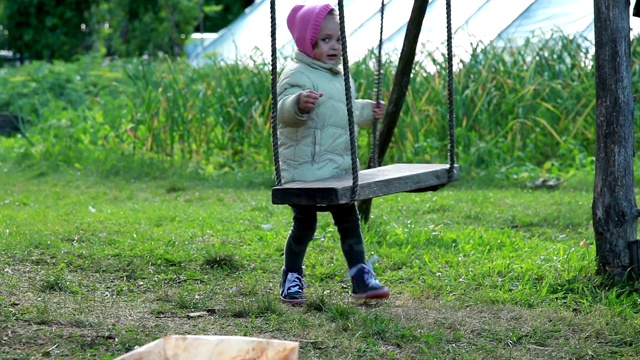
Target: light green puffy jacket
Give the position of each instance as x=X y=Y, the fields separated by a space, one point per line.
x=316 y=146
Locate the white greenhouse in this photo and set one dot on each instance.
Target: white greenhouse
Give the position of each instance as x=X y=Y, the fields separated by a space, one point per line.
x=474 y=23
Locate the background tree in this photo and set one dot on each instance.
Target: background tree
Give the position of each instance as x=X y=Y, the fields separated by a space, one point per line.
x=614 y=208
x=219 y=14
x=63 y=29
x=136 y=27
x=45 y=29
x=4 y=38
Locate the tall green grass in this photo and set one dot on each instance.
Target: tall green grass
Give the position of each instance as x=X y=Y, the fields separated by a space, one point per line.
x=521 y=110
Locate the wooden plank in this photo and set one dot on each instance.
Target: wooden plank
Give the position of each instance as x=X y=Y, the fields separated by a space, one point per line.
x=381 y=181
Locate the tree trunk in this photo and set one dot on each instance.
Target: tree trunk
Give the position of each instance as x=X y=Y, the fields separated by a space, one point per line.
x=614 y=208
x=175 y=33
x=398 y=91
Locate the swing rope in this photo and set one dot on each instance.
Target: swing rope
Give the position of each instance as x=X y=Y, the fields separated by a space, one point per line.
x=349 y=104
x=450 y=84
x=347 y=91
x=274 y=96
x=374 y=128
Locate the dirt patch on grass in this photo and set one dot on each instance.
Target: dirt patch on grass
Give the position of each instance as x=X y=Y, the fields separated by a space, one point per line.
x=101 y=319
x=508 y=331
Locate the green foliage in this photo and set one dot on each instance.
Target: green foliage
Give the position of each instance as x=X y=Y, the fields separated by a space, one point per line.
x=43 y=29
x=542 y=94
x=65 y=29
x=522 y=112
x=218 y=14
x=135 y=27
x=4 y=33
x=518 y=108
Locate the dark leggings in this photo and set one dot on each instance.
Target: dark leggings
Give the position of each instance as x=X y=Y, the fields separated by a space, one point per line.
x=305 y=222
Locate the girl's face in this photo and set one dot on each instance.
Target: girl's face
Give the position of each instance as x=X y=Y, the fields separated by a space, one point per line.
x=327 y=48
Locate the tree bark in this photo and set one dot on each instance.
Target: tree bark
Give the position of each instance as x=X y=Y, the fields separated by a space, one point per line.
x=175 y=33
x=398 y=91
x=614 y=208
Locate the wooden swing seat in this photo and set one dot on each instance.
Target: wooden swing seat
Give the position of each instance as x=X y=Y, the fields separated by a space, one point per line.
x=380 y=181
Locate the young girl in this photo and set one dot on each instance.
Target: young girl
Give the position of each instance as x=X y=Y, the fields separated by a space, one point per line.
x=314 y=144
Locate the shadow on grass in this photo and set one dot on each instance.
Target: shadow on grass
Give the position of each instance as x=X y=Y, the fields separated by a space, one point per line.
x=178 y=175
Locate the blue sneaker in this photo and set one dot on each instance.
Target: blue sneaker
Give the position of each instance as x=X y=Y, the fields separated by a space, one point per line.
x=365 y=285
x=292 y=287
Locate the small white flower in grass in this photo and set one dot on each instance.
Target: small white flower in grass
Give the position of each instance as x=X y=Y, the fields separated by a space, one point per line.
x=267 y=227
x=92 y=209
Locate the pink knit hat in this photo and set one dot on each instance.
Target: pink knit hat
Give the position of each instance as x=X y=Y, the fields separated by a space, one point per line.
x=304 y=23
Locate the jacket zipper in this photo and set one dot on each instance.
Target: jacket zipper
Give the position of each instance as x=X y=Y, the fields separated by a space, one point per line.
x=313 y=150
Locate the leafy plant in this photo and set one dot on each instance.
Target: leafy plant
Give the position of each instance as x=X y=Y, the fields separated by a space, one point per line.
x=67 y=29
x=513 y=121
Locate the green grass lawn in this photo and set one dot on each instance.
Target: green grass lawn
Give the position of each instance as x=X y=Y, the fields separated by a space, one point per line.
x=92 y=268
x=117 y=253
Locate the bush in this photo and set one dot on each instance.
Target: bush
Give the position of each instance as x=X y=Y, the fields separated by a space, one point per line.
x=511 y=119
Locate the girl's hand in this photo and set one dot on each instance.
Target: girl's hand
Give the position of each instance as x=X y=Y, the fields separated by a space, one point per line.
x=308 y=100
x=378 y=110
